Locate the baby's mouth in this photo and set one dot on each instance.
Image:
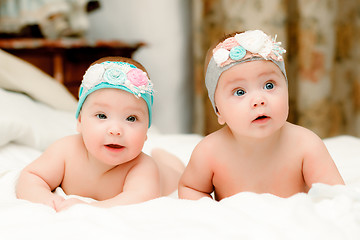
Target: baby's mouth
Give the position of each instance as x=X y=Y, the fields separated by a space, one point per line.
x=114 y=146
x=261 y=117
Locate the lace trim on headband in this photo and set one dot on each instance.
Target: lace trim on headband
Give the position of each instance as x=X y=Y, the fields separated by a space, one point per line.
x=255 y=42
x=117 y=73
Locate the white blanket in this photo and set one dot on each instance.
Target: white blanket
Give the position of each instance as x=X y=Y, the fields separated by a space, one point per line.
x=27 y=127
x=326 y=212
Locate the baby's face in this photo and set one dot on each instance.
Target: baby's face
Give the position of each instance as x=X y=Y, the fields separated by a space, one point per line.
x=114 y=125
x=252 y=98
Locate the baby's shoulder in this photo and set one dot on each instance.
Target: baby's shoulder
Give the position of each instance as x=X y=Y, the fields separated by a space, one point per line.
x=67 y=145
x=209 y=141
x=301 y=136
x=144 y=160
x=142 y=163
x=71 y=140
x=211 y=145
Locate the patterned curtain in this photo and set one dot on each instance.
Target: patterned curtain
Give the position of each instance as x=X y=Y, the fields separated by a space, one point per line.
x=323 y=54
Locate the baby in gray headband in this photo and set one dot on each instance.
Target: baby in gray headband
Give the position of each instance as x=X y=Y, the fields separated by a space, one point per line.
x=243 y=47
x=256 y=150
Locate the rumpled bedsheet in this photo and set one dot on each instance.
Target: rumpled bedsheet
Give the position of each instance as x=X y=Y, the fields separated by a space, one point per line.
x=326 y=212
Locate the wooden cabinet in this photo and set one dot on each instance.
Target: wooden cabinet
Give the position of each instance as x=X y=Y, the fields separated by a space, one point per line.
x=66 y=59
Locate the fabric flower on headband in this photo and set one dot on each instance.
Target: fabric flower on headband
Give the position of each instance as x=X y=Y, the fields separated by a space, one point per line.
x=117 y=73
x=114 y=76
x=137 y=77
x=247 y=44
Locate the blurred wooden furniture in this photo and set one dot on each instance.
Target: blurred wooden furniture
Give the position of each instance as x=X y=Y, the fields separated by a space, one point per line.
x=66 y=59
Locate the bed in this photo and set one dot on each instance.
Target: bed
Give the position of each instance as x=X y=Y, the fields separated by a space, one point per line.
x=35 y=111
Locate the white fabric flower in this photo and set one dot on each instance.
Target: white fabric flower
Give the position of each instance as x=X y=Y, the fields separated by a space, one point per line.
x=93 y=76
x=221 y=55
x=267 y=48
x=108 y=65
x=255 y=41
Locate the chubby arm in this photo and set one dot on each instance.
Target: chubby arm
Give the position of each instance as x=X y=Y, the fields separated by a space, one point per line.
x=318 y=166
x=37 y=180
x=196 y=181
x=142 y=183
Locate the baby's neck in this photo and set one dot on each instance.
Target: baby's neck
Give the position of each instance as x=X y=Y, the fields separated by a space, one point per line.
x=97 y=167
x=254 y=145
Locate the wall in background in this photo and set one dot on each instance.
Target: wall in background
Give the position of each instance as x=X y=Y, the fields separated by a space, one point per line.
x=164 y=25
x=322 y=61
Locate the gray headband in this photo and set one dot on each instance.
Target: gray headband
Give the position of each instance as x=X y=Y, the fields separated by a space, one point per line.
x=247 y=46
x=213 y=73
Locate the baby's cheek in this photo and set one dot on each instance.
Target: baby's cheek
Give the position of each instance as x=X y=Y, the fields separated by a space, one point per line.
x=138 y=140
x=282 y=109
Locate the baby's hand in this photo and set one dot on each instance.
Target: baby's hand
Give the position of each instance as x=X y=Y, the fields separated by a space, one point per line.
x=54 y=201
x=67 y=204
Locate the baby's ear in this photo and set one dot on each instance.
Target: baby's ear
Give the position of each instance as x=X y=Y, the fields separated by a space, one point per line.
x=221 y=120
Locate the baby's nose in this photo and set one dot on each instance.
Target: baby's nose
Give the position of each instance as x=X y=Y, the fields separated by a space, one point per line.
x=260 y=103
x=115 y=131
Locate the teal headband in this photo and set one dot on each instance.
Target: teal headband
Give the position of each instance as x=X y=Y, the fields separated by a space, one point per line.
x=243 y=47
x=117 y=75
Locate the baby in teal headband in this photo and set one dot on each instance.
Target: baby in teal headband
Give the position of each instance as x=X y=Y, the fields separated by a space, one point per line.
x=104 y=161
x=257 y=150
x=117 y=75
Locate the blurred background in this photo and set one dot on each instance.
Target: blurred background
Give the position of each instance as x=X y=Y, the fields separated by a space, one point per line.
x=171 y=37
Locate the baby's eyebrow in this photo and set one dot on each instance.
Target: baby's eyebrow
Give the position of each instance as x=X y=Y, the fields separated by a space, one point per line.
x=234 y=83
x=235 y=80
x=270 y=72
x=99 y=104
x=136 y=109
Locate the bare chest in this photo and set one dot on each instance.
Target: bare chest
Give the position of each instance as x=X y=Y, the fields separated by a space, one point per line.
x=280 y=175
x=83 y=181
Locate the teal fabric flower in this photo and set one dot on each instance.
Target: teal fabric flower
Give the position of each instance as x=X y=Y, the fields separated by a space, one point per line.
x=237 y=53
x=114 y=76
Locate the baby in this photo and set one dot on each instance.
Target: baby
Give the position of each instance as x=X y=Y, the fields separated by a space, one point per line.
x=257 y=150
x=104 y=161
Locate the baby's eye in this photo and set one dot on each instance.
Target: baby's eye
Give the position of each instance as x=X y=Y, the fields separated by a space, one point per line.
x=269 y=86
x=131 y=119
x=239 y=92
x=101 y=116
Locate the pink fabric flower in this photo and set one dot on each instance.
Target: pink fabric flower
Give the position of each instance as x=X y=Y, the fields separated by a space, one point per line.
x=137 y=77
x=229 y=43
